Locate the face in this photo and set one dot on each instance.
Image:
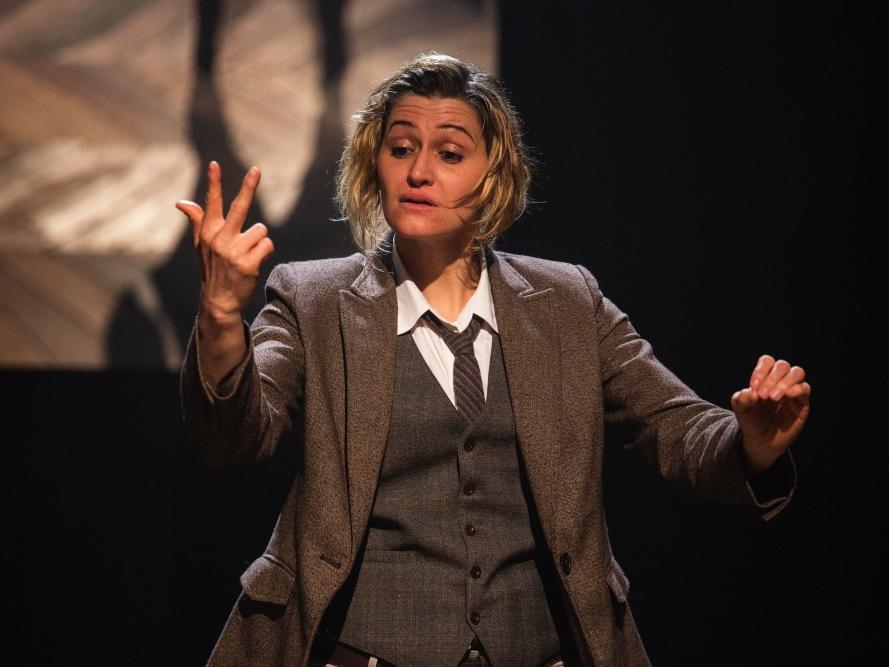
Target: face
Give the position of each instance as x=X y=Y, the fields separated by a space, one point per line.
x=432 y=155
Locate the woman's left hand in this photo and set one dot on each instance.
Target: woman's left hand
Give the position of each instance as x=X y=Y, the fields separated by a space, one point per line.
x=771 y=411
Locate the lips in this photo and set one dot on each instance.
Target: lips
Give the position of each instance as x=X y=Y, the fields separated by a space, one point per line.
x=417 y=200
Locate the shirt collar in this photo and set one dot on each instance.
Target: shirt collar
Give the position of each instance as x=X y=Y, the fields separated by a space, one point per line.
x=412 y=304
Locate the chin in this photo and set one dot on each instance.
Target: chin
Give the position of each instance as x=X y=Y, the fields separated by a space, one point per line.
x=425 y=229
x=447 y=238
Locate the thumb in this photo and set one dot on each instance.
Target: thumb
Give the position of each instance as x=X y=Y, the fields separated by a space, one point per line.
x=744 y=400
x=195 y=216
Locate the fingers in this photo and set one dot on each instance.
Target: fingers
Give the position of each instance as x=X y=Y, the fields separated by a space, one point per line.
x=801 y=391
x=261 y=251
x=223 y=235
x=237 y=213
x=212 y=214
x=252 y=248
x=247 y=264
x=773 y=379
x=800 y=395
x=763 y=366
x=780 y=379
x=252 y=236
x=213 y=203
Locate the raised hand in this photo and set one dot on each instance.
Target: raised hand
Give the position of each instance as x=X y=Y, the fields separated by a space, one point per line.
x=230 y=258
x=230 y=261
x=771 y=411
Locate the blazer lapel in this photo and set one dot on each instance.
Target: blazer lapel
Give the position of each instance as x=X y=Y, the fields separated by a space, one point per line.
x=530 y=344
x=368 y=317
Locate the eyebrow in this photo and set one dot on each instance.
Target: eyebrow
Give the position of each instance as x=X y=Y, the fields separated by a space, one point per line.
x=443 y=126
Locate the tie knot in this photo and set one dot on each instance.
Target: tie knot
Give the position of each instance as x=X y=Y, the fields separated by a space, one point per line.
x=459 y=342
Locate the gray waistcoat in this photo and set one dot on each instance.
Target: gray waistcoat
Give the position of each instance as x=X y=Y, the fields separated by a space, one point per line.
x=450 y=551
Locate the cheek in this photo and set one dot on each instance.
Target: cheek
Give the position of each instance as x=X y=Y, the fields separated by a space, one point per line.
x=462 y=187
x=378 y=174
x=385 y=176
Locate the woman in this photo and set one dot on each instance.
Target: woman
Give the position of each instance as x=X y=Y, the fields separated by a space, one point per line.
x=448 y=507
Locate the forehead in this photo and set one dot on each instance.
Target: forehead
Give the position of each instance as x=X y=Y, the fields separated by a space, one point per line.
x=431 y=112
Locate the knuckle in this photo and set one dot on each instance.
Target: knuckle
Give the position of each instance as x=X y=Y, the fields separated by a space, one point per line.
x=242 y=264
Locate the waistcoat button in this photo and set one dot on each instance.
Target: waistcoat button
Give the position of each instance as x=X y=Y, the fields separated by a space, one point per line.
x=475 y=617
x=475 y=572
x=469 y=445
x=469 y=489
x=565 y=563
x=470 y=529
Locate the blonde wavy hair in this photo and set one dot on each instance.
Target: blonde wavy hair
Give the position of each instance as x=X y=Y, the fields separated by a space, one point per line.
x=502 y=193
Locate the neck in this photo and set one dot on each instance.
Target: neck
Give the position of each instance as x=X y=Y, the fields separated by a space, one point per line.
x=446 y=274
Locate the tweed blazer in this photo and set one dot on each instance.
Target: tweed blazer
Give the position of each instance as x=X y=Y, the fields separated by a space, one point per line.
x=321 y=359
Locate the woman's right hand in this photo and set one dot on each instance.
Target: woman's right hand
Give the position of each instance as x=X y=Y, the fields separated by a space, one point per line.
x=230 y=261
x=230 y=258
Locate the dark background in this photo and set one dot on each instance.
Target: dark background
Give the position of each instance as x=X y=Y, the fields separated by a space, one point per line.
x=719 y=168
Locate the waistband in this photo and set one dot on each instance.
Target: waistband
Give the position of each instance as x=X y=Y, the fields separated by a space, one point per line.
x=330 y=653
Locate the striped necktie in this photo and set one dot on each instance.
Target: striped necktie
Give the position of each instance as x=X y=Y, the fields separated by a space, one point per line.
x=469 y=392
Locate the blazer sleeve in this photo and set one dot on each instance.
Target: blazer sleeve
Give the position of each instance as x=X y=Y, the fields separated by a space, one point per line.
x=694 y=444
x=243 y=418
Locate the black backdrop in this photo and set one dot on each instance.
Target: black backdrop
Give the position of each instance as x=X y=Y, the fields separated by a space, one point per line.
x=716 y=166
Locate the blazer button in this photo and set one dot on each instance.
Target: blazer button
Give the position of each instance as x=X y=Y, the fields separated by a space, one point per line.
x=470 y=529
x=469 y=445
x=475 y=617
x=469 y=489
x=565 y=563
x=475 y=572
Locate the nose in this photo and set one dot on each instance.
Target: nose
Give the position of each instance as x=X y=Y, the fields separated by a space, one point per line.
x=421 y=169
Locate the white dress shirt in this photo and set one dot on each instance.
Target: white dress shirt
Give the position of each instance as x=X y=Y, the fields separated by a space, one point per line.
x=438 y=356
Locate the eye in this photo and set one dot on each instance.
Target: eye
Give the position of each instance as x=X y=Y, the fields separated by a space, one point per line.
x=451 y=157
x=400 y=151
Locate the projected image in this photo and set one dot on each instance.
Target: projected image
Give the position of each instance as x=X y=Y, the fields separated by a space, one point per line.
x=111 y=111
